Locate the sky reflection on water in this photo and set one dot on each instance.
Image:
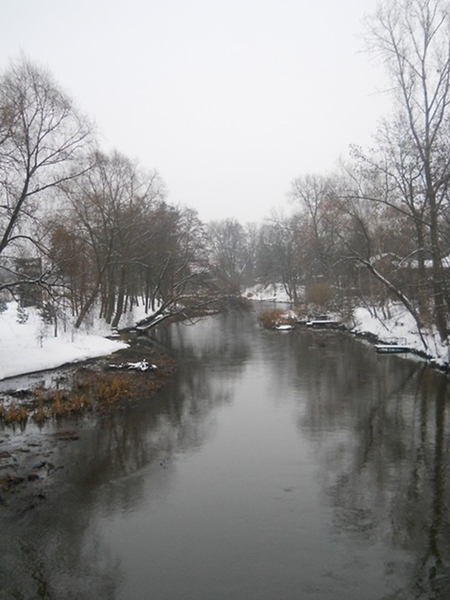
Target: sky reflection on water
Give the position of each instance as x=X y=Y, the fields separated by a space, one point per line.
x=274 y=465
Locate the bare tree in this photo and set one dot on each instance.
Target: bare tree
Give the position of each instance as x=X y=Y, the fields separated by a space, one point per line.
x=109 y=208
x=133 y=246
x=390 y=176
x=43 y=140
x=412 y=37
x=184 y=285
x=281 y=253
x=315 y=198
x=229 y=252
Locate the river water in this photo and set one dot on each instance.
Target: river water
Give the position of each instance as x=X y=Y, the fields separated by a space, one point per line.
x=274 y=466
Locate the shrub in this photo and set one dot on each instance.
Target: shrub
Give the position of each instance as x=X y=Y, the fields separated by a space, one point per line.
x=13 y=415
x=319 y=293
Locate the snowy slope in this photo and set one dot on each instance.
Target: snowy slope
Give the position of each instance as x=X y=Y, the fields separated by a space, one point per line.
x=31 y=346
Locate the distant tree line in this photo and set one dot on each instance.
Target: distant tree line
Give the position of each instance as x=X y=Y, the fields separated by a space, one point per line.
x=379 y=228
x=81 y=228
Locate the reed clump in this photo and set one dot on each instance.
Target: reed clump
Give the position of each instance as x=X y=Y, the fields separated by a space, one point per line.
x=14 y=414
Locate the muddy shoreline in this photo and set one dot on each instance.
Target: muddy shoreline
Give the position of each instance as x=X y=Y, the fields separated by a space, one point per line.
x=32 y=465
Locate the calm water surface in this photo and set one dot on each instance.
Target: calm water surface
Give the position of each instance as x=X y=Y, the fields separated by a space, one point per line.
x=275 y=465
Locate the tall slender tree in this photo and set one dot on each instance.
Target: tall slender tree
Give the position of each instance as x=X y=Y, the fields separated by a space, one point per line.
x=412 y=38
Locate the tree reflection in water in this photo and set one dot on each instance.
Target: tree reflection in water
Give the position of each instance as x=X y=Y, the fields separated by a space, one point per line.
x=55 y=551
x=385 y=448
x=377 y=427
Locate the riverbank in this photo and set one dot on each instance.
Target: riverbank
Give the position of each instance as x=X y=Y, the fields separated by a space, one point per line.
x=30 y=458
x=54 y=387
x=75 y=398
x=394 y=327
x=377 y=324
x=29 y=345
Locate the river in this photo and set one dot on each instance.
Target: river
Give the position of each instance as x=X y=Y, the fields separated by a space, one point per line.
x=273 y=466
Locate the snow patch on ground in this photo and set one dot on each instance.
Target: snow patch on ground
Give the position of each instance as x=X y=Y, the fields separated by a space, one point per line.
x=273 y=292
x=30 y=346
x=400 y=324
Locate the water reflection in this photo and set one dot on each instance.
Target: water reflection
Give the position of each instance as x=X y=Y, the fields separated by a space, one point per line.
x=44 y=552
x=383 y=442
x=273 y=462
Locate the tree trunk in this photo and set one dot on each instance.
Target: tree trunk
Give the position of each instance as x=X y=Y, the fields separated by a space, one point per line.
x=86 y=308
x=437 y=283
x=120 y=298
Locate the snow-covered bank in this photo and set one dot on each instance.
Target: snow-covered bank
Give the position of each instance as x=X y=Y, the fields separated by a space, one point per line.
x=395 y=322
x=399 y=323
x=28 y=345
x=273 y=292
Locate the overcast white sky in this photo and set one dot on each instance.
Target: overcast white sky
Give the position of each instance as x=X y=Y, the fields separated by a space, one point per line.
x=229 y=100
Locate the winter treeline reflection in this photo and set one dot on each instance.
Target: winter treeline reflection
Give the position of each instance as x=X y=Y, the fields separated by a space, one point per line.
x=381 y=429
x=377 y=427
x=44 y=554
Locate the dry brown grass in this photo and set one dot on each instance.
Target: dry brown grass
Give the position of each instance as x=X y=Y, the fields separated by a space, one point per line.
x=88 y=390
x=13 y=414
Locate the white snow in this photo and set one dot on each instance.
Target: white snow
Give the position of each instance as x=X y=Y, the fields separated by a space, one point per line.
x=273 y=292
x=31 y=346
x=400 y=324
